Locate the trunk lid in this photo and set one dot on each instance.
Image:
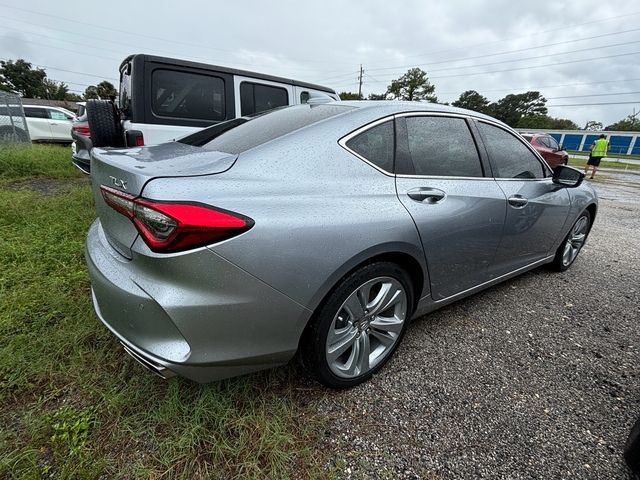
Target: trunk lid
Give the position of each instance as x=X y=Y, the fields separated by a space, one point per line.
x=128 y=170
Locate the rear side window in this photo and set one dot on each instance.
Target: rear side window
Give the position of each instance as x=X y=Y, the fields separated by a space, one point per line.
x=35 y=112
x=376 y=145
x=187 y=95
x=255 y=97
x=510 y=158
x=272 y=125
x=56 y=115
x=442 y=146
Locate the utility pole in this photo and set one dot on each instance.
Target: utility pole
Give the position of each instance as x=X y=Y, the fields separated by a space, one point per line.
x=360 y=83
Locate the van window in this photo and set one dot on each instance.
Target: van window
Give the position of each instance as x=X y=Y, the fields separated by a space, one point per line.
x=256 y=97
x=187 y=95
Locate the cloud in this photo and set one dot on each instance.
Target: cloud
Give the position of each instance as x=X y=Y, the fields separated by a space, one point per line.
x=326 y=43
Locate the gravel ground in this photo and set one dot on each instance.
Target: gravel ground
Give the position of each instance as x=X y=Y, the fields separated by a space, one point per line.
x=534 y=378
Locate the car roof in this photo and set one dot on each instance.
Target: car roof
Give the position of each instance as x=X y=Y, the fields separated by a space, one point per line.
x=394 y=106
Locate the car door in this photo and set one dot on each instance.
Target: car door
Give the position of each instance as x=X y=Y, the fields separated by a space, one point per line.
x=60 y=125
x=38 y=123
x=537 y=208
x=459 y=212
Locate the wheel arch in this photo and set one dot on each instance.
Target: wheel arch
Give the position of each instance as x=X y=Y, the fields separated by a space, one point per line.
x=405 y=255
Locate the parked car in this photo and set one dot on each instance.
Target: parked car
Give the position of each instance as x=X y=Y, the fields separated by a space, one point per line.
x=548 y=147
x=321 y=229
x=81 y=135
x=44 y=123
x=163 y=98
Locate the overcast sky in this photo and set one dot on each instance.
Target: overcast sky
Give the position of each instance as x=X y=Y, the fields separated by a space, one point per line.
x=325 y=42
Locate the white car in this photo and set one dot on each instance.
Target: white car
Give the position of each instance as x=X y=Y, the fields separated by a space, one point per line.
x=48 y=124
x=43 y=124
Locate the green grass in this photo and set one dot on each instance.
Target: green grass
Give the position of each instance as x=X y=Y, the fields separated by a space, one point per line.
x=72 y=405
x=617 y=155
x=37 y=161
x=580 y=163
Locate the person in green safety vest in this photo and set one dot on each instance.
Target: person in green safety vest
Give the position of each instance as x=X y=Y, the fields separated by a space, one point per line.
x=599 y=150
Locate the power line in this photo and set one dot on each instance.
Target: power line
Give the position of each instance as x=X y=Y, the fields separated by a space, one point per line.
x=127 y=32
x=535 y=57
x=594 y=104
x=469 y=74
x=501 y=41
x=548 y=86
x=71 y=71
x=511 y=51
x=594 y=95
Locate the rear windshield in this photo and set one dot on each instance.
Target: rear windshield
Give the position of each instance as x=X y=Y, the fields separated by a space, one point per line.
x=272 y=125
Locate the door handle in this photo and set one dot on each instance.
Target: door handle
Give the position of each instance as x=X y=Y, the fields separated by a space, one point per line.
x=517 y=201
x=426 y=195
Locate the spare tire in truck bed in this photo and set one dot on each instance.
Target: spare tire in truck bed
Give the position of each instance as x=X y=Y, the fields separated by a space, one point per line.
x=104 y=124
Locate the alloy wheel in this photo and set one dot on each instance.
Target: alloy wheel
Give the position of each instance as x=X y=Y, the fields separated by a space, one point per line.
x=575 y=240
x=366 y=327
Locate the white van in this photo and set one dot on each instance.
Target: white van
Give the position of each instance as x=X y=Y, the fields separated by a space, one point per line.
x=162 y=99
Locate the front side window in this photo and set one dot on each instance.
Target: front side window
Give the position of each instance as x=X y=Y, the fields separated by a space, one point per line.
x=256 y=97
x=510 y=158
x=376 y=145
x=442 y=146
x=187 y=95
x=553 y=144
x=32 y=112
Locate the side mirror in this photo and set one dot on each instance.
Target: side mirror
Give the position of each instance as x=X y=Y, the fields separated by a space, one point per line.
x=567 y=176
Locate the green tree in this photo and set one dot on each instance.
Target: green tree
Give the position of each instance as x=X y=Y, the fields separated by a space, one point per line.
x=349 y=96
x=55 y=90
x=546 y=122
x=472 y=100
x=593 y=126
x=20 y=77
x=413 y=85
x=628 y=124
x=104 y=90
x=513 y=107
x=377 y=96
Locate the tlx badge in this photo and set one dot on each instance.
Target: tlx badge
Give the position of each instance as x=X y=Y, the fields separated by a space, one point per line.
x=118 y=182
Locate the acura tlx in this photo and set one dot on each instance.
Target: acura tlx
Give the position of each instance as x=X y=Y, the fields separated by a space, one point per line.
x=318 y=229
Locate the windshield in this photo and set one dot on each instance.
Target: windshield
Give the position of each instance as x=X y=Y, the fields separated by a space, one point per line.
x=272 y=125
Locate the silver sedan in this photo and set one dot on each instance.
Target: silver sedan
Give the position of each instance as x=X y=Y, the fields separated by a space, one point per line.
x=319 y=230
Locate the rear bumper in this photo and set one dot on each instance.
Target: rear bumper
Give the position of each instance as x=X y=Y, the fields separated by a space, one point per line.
x=195 y=315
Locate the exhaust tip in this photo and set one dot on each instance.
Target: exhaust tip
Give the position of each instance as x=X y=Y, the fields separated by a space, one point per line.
x=160 y=370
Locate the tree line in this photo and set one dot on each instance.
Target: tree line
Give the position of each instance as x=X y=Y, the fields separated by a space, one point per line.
x=518 y=110
x=21 y=77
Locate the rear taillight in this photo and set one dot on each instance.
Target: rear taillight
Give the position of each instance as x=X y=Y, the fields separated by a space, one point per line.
x=176 y=226
x=81 y=130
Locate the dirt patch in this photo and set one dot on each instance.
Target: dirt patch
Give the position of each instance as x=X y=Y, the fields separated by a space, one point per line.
x=48 y=186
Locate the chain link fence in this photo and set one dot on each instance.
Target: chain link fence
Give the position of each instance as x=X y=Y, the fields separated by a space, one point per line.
x=13 y=124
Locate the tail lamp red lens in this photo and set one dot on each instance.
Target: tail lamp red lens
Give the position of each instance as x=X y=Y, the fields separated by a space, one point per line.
x=175 y=226
x=81 y=130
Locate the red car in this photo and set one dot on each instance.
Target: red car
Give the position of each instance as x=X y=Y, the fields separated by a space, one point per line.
x=548 y=147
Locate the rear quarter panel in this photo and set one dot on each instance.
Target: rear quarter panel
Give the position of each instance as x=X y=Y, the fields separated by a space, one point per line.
x=318 y=211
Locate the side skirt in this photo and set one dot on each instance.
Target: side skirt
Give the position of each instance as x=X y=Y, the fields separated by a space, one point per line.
x=427 y=304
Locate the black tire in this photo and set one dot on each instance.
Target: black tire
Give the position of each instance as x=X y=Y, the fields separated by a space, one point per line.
x=9 y=135
x=104 y=124
x=632 y=449
x=559 y=263
x=313 y=343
